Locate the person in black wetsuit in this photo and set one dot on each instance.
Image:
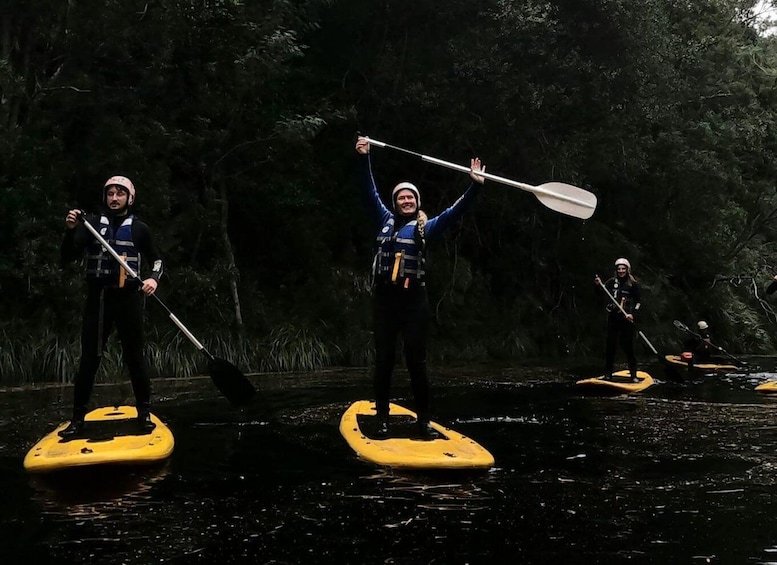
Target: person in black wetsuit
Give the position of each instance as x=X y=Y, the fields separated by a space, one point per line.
x=701 y=347
x=401 y=304
x=620 y=329
x=112 y=296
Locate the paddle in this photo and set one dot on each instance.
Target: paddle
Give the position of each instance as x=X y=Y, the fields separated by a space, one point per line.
x=625 y=314
x=232 y=383
x=679 y=325
x=557 y=196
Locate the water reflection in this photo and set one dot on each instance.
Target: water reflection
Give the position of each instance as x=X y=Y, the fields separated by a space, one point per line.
x=683 y=473
x=429 y=491
x=97 y=492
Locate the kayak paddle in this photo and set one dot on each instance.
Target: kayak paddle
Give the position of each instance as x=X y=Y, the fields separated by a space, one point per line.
x=557 y=196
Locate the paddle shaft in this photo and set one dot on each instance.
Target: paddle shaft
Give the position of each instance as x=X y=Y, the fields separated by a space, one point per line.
x=489 y=176
x=625 y=314
x=611 y=297
x=135 y=276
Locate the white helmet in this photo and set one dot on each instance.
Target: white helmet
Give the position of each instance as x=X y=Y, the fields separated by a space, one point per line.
x=623 y=261
x=702 y=325
x=123 y=182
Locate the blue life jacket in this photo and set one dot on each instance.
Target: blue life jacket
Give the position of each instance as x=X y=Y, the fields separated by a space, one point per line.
x=100 y=265
x=399 y=256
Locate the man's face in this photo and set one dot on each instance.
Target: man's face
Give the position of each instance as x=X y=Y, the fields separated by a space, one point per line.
x=116 y=198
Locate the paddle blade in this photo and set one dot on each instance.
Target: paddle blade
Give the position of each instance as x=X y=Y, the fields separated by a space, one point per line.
x=567 y=199
x=680 y=326
x=232 y=383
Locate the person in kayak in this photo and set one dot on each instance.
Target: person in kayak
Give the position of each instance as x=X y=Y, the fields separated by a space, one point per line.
x=112 y=296
x=701 y=346
x=401 y=303
x=620 y=328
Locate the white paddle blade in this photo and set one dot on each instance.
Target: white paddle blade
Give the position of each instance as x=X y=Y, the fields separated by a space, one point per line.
x=557 y=196
x=567 y=199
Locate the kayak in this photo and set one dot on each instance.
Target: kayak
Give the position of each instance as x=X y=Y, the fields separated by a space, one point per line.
x=111 y=436
x=677 y=361
x=403 y=447
x=619 y=384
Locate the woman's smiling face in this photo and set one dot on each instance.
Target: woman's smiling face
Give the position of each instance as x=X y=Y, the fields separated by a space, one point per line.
x=406 y=203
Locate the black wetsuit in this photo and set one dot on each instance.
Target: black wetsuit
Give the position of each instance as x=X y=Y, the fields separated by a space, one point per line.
x=619 y=329
x=396 y=311
x=108 y=305
x=702 y=350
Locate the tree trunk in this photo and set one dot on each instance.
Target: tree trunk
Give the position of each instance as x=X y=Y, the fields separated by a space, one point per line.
x=234 y=274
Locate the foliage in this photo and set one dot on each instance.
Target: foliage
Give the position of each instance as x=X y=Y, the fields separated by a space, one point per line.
x=242 y=115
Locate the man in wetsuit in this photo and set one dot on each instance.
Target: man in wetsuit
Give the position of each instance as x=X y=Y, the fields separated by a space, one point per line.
x=112 y=296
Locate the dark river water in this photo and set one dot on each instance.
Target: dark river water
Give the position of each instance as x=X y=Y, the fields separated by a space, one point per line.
x=681 y=473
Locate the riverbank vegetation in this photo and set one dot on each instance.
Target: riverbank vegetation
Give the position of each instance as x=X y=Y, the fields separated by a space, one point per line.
x=237 y=120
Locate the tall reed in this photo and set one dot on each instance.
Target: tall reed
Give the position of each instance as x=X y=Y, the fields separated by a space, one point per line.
x=292 y=348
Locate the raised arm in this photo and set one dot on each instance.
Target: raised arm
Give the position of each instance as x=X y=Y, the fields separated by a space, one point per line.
x=367 y=181
x=435 y=226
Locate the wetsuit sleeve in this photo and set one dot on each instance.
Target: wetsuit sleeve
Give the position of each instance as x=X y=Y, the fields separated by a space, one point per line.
x=74 y=243
x=141 y=236
x=367 y=182
x=435 y=226
x=636 y=294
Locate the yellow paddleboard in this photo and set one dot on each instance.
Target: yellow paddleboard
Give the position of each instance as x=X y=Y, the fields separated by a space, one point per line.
x=769 y=387
x=621 y=383
x=403 y=448
x=111 y=436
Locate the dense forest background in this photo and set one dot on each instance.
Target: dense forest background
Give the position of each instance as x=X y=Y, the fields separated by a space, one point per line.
x=237 y=121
